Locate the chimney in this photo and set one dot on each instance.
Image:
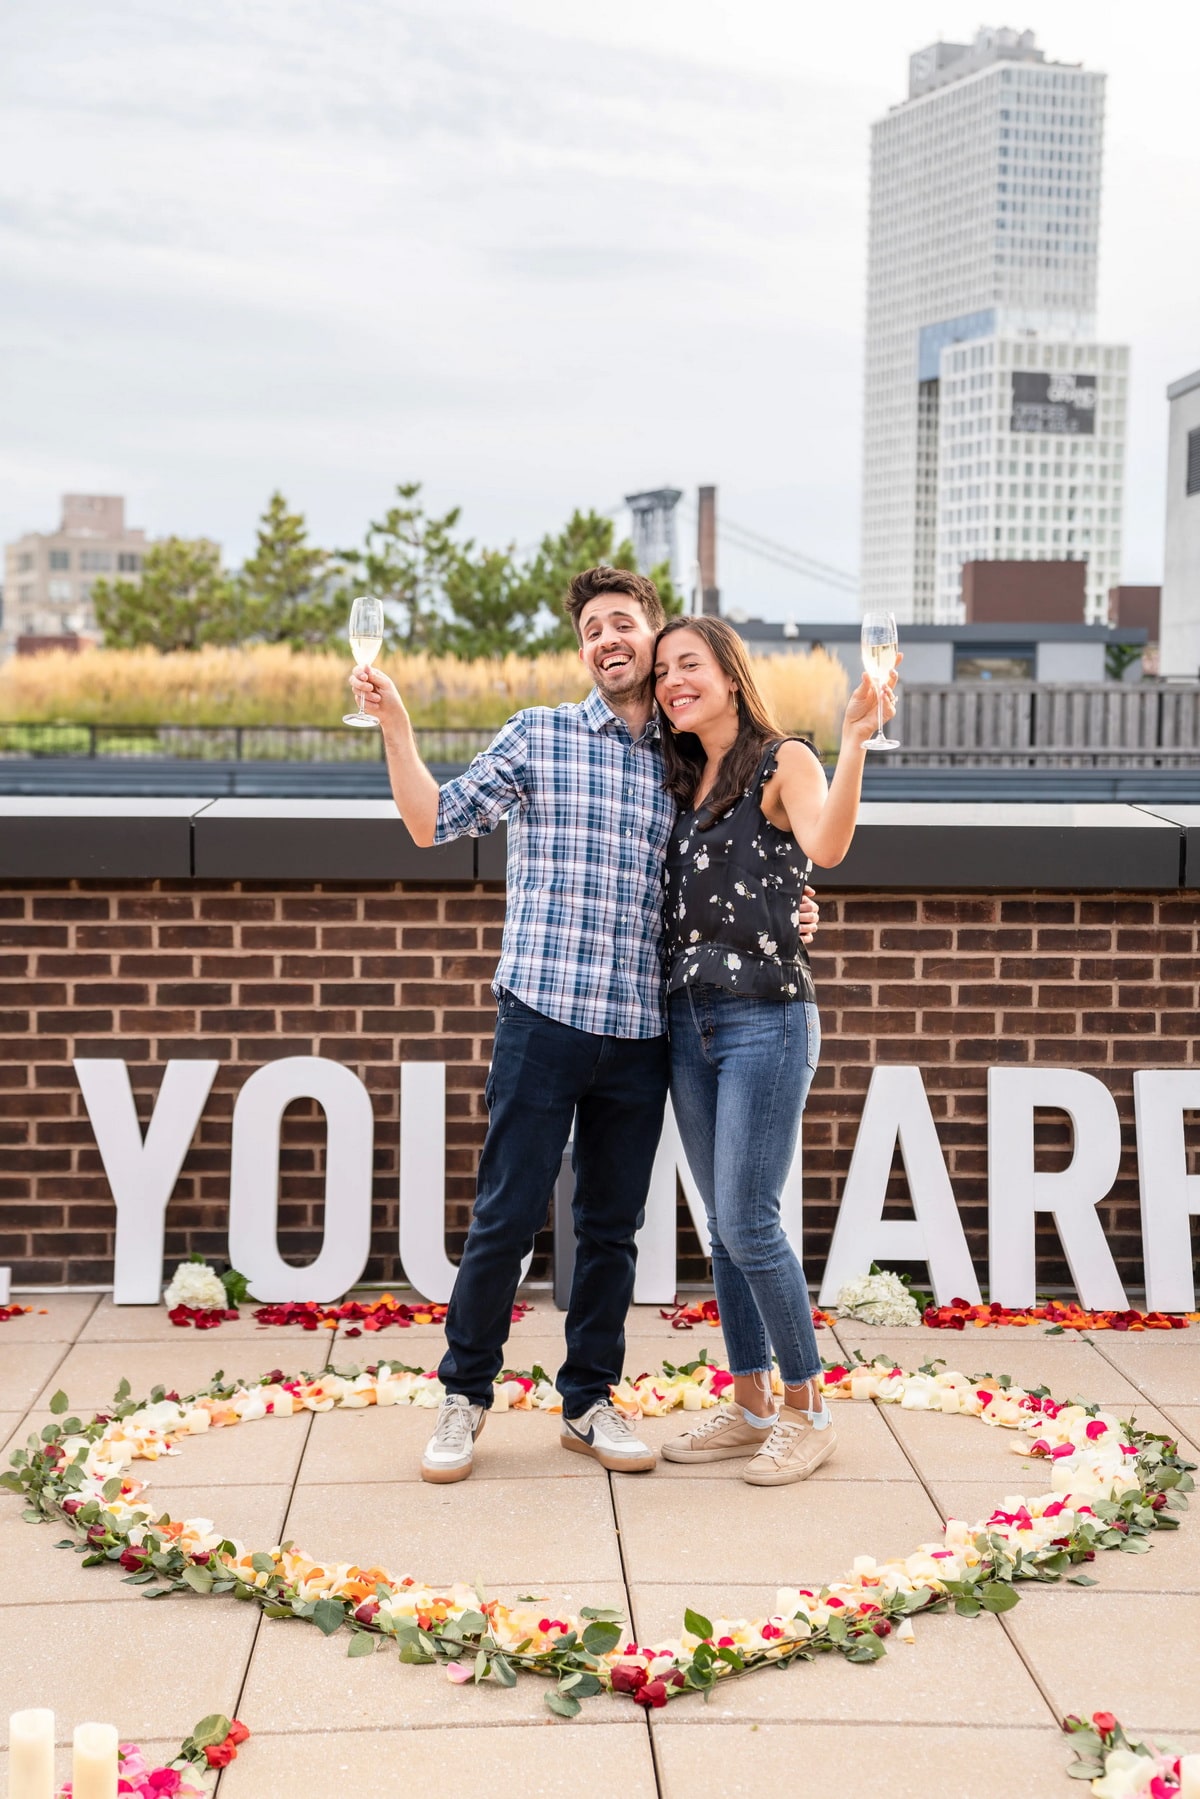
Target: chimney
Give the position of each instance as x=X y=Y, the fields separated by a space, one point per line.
x=706 y=552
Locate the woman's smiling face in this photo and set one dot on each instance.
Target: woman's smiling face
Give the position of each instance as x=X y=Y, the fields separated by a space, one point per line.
x=689 y=683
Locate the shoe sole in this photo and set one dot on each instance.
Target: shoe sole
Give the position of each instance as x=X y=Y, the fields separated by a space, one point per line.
x=446 y=1477
x=783 y=1477
x=671 y=1454
x=616 y=1464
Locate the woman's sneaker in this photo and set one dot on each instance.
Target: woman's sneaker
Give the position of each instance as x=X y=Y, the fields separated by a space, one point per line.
x=450 y=1452
x=608 y=1437
x=797 y=1446
x=724 y=1434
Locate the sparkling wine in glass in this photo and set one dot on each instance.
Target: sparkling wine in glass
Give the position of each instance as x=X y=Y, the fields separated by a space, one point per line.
x=880 y=647
x=366 y=641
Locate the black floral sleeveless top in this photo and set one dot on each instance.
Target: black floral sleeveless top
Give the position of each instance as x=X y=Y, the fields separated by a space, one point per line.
x=732 y=901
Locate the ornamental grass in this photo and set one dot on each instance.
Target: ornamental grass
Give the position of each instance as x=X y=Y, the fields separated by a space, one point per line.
x=269 y=684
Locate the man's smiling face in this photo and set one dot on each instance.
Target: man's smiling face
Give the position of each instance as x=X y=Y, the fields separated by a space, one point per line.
x=617 y=646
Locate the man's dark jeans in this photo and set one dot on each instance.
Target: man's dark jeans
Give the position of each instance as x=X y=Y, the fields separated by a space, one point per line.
x=543 y=1075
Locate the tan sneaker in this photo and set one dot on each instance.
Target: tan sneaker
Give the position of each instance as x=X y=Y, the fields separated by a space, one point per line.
x=723 y=1434
x=793 y=1451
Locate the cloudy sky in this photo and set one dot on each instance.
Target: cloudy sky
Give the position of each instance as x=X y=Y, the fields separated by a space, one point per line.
x=534 y=253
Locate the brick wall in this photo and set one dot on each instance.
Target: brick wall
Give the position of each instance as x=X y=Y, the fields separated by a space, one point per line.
x=371 y=974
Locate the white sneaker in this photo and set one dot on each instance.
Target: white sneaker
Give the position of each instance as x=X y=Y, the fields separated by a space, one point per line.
x=608 y=1437
x=450 y=1452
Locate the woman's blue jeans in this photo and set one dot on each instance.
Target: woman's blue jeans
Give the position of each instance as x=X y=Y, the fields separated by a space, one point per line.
x=741 y=1069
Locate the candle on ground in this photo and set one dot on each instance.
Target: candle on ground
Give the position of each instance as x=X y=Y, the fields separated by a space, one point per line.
x=31 y=1754
x=1189 y=1777
x=693 y=1399
x=948 y=1399
x=94 y=1762
x=863 y=1386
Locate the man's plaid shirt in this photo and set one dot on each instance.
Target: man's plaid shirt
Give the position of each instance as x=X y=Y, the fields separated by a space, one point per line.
x=588 y=826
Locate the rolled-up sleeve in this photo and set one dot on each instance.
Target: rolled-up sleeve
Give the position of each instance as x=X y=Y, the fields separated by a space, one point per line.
x=475 y=802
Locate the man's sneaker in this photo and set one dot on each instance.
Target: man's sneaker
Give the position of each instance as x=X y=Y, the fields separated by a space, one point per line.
x=609 y=1438
x=450 y=1451
x=723 y=1434
x=797 y=1446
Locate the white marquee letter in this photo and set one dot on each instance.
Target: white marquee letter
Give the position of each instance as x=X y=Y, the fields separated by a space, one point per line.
x=1016 y=1191
x=897 y=1108
x=655 y=1280
x=1169 y=1193
x=254 y=1179
x=142 y=1175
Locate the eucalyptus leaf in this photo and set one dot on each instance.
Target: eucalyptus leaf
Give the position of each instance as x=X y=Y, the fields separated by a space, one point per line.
x=601 y=1637
x=563 y=1705
x=328 y=1615
x=697 y=1623
x=361 y=1643
x=59 y=1403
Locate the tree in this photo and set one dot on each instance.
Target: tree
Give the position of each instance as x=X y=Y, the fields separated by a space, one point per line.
x=410 y=560
x=585 y=541
x=291 y=586
x=184 y=599
x=491 y=610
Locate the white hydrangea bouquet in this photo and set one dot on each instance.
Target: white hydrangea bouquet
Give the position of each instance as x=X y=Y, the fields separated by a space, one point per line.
x=199 y=1286
x=880 y=1297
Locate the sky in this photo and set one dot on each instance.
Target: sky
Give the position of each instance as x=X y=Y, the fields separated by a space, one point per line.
x=535 y=255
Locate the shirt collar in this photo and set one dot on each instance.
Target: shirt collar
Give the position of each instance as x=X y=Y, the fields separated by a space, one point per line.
x=598 y=715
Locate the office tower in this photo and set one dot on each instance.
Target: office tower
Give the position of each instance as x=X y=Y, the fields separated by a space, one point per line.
x=994 y=423
x=49 y=574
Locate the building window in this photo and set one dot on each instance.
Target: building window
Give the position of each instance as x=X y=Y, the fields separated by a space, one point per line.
x=24 y=563
x=994 y=662
x=60 y=560
x=96 y=561
x=60 y=590
x=128 y=562
x=1193 y=461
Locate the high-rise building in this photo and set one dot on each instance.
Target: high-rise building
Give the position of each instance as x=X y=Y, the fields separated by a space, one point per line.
x=994 y=423
x=48 y=575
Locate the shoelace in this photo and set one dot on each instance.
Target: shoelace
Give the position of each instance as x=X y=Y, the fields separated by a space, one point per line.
x=712 y=1424
x=453 y=1429
x=782 y=1436
x=615 y=1423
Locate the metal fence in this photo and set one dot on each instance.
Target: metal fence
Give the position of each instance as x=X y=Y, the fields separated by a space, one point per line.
x=226 y=743
x=965 y=724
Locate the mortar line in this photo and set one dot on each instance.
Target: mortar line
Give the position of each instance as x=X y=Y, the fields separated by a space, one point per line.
x=612 y=1501
x=287 y=1510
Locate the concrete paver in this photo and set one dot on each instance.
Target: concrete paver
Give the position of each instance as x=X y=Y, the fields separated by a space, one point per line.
x=386 y=1445
x=544 y=1762
x=901 y=1761
x=791 y=1536
x=1134 y=1654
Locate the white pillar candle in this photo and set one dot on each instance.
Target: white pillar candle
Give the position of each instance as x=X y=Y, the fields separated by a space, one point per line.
x=948 y=1399
x=31 y=1754
x=693 y=1399
x=94 y=1763
x=863 y=1386
x=1189 y=1777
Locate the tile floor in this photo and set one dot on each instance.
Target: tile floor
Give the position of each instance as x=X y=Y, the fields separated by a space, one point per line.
x=969 y=1712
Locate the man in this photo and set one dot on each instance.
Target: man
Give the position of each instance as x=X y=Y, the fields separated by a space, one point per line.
x=580 y=1033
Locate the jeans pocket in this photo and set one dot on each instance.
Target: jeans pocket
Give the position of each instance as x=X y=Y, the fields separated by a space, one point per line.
x=812 y=1024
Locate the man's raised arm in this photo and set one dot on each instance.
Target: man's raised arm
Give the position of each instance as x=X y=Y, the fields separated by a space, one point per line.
x=413 y=787
x=469 y=806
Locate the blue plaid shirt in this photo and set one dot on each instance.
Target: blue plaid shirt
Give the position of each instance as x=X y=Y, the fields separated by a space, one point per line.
x=588 y=828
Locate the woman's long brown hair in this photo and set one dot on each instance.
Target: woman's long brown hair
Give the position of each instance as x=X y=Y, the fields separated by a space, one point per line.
x=683 y=753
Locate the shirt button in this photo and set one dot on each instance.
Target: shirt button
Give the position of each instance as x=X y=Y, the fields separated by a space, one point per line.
x=629 y=833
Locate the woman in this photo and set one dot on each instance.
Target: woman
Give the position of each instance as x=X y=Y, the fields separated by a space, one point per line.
x=745 y=1034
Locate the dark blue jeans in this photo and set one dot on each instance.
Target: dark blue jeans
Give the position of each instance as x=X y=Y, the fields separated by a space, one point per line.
x=543 y=1075
x=741 y=1069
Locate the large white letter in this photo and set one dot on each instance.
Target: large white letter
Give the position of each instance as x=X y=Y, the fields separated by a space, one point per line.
x=897 y=1108
x=1169 y=1193
x=1016 y=1191
x=423 y=1181
x=142 y=1175
x=254 y=1179
x=655 y=1280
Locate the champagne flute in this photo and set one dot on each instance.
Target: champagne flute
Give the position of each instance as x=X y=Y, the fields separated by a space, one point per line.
x=366 y=641
x=880 y=644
